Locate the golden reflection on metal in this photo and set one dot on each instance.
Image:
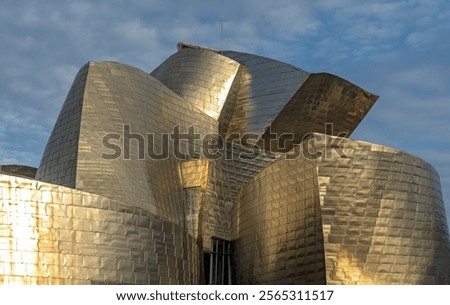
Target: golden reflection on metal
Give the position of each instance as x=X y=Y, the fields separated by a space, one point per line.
x=368 y=214
x=23 y=239
x=222 y=96
x=358 y=218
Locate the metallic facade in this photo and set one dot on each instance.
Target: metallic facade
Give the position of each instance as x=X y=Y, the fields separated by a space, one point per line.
x=52 y=234
x=214 y=169
x=372 y=215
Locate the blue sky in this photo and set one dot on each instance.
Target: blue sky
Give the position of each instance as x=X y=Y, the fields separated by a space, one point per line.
x=396 y=49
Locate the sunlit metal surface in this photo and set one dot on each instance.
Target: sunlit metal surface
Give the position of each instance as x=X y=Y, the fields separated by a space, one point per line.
x=266 y=86
x=375 y=216
x=383 y=217
x=116 y=95
x=322 y=98
x=199 y=76
x=367 y=214
x=57 y=235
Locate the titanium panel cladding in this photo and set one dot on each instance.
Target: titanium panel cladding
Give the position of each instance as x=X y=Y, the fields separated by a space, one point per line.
x=383 y=216
x=57 y=235
x=151 y=178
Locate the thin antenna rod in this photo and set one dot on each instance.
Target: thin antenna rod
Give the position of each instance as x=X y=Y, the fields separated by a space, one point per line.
x=221 y=32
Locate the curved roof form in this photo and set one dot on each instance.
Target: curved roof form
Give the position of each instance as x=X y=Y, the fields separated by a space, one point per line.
x=201 y=77
x=124 y=111
x=266 y=86
x=250 y=94
x=323 y=99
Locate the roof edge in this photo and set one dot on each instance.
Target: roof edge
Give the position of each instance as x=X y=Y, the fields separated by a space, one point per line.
x=186 y=45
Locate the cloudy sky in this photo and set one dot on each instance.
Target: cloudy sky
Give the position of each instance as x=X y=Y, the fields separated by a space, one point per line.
x=396 y=49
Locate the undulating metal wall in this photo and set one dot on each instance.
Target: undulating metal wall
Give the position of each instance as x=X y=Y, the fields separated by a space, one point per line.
x=51 y=234
x=379 y=210
x=59 y=161
x=277 y=227
x=383 y=216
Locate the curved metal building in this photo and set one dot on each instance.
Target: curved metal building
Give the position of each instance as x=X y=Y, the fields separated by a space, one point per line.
x=219 y=168
x=359 y=213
